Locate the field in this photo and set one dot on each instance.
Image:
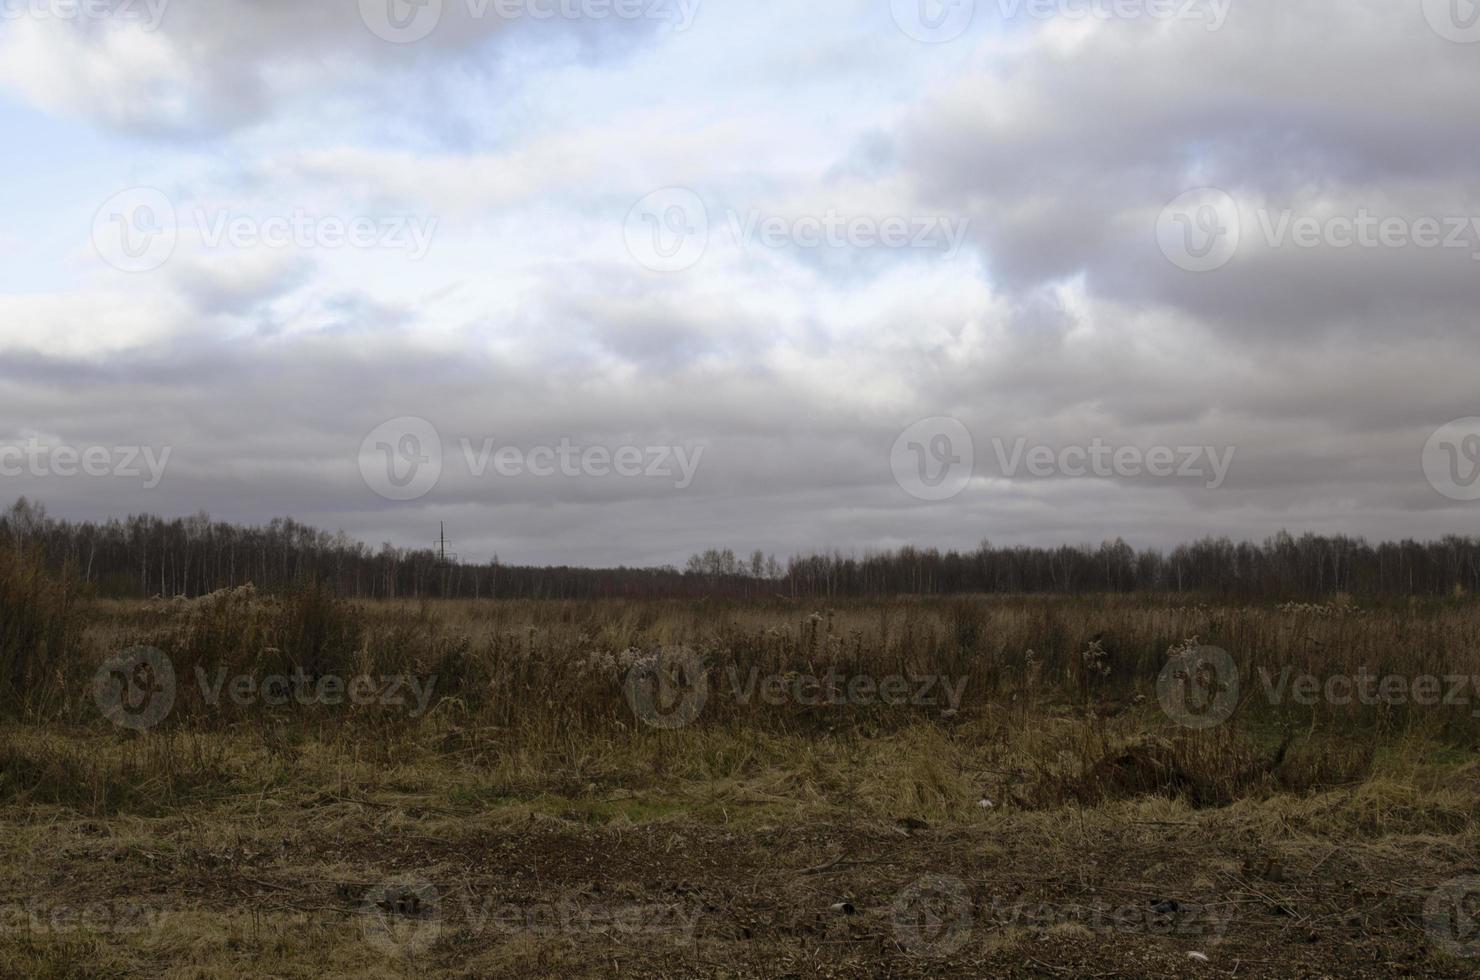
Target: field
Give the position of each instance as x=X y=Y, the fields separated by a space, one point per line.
x=298 y=786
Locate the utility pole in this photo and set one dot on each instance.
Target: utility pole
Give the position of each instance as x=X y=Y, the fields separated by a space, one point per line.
x=445 y=559
x=442 y=544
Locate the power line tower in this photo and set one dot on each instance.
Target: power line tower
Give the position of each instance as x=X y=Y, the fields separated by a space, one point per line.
x=446 y=562
x=444 y=557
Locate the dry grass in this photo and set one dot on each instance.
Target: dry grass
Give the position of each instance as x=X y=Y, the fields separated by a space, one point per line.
x=255 y=831
x=39 y=629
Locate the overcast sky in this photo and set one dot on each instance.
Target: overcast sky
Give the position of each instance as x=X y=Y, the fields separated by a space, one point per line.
x=612 y=281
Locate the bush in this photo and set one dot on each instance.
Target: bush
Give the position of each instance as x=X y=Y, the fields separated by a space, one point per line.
x=319 y=632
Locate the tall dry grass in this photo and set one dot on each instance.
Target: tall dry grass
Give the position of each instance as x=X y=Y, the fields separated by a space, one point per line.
x=40 y=629
x=1058 y=695
x=540 y=667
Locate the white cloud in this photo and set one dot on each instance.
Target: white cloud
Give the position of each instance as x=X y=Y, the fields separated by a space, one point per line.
x=796 y=367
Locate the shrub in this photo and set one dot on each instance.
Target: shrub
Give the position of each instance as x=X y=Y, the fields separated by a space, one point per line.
x=319 y=632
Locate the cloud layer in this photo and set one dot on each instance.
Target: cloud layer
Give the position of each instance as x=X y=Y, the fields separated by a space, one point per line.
x=775 y=239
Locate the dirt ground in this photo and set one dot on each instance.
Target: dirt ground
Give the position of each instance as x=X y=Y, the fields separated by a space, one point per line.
x=394 y=887
x=533 y=822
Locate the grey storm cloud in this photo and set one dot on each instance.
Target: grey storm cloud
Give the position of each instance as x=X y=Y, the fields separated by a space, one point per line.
x=1323 y=371
x=182 y=69
x=1064 y=157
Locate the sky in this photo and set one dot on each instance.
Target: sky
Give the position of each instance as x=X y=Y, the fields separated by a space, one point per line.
x=613 y=281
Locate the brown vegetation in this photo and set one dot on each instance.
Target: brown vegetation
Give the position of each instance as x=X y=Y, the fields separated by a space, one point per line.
x=277 y=837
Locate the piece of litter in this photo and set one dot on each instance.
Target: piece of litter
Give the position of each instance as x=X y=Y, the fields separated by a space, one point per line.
x=986 y=804
x=1200 y=957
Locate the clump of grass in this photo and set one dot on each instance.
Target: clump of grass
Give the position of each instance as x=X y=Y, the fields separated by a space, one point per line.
x=232 y=626
x=319 y=632
x=1210 y=770
x=104 y=777
x=39 y=630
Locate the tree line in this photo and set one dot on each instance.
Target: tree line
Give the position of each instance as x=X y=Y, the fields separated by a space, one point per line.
x=144 y=556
